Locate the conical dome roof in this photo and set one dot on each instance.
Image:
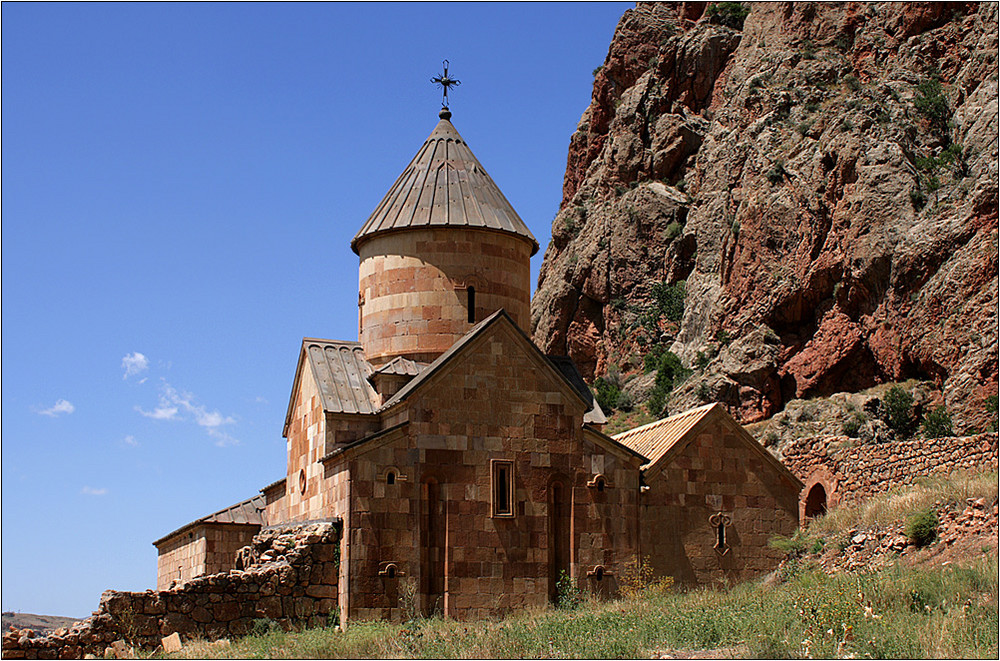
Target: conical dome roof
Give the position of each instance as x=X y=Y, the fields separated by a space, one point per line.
x=444 y=186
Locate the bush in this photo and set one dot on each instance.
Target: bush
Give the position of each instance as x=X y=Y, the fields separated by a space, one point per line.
x=898 y=412
x=937 y=423
x=852 y=82
x=703 y=392
x=932 y=104
x=921 y=528
x=993 y=407
x=730 y=14
x=568 y=594
x=669 y=299
x=637 y=580
x=917 y=199
x=853 y=425
x=669 y=372
x=607 y=393
x=625 y=402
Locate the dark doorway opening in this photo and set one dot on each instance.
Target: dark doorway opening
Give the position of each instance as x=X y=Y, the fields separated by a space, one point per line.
x=816 y=501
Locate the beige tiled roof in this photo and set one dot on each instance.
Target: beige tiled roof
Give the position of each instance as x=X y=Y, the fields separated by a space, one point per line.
x=655 y=439
x=444 y=185
x=249 y=512
x=341 y=372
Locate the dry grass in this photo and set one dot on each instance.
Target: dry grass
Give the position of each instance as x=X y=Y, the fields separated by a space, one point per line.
x=899 y=503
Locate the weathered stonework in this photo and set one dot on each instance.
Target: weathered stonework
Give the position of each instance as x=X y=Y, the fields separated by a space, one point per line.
x=849 y=470
x=206 y=549
x=290 y=576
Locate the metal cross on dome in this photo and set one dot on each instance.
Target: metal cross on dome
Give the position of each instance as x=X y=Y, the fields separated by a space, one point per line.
x=445 y=82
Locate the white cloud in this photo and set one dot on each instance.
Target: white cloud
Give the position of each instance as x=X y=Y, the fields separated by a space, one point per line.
x=91 y=491
x=162 y=412
x=60 y=407
x=130 y=441
x=222 y=439
x=175 y=403
x=134 y=363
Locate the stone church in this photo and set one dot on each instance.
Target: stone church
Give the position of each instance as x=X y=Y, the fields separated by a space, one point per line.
x=462 y=463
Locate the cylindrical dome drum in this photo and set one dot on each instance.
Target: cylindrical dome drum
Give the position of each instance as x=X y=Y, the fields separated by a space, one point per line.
x=442 y=251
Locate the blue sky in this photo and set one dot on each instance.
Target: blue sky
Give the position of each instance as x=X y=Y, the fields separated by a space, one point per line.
x=180 y=186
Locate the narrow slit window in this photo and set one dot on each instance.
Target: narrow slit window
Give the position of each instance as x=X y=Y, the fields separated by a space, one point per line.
x=390 y=477
x=503 y=488
x=472 y=303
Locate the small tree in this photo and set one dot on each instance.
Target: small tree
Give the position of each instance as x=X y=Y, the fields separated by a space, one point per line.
x=937 y=423
x=898 y=412
x=730 y=14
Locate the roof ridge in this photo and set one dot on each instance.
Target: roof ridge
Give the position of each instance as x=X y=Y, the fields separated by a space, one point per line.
x=661 y=421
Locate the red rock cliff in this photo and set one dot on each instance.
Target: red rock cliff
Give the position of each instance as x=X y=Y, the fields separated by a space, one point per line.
x=823 y=177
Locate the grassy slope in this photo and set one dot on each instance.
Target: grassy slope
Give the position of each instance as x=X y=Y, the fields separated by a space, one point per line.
x=902 y=611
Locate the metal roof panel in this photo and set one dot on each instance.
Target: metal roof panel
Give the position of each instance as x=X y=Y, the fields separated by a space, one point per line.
x=444 y=185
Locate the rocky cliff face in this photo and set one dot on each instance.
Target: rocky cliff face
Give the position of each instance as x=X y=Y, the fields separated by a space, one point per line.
x=821 y=177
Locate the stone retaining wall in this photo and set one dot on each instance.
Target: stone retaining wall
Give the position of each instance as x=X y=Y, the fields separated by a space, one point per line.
x=288 y=575
x=849 y=469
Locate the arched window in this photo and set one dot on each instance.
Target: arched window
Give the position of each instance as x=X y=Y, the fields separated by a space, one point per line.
x=472 y=303
x=390 y=477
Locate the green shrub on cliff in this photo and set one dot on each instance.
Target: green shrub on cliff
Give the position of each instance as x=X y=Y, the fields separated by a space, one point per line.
x=730 y=14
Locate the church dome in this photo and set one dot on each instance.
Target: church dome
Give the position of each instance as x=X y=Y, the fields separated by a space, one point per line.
x=444 y=186
x=442 y=251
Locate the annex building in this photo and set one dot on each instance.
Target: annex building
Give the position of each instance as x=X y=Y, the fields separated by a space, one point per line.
x=462 y=462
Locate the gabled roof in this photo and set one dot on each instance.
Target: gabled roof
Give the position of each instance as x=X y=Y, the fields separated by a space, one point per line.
x=662 y=440
x=341 y=372
x=655 y=439
x=444 y=185
x=249 y=512
x=400 y=366
x=455 y=349
x=595 y=415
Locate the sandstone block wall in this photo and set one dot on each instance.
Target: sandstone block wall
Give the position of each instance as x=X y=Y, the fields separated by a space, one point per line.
x=715 y=473
x=850 y=470
x=205 y=549
x=290 y=575
x=435 y=522
x=412 y=288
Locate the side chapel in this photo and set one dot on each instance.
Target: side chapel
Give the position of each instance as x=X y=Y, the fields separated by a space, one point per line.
x=458 y=456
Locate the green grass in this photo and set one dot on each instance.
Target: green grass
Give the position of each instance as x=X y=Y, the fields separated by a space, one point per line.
x=898 y=612
x=902 y=502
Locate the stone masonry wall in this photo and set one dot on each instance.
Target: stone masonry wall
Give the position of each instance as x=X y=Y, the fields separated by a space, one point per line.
x=850 y=470
x=290 y=576
x=435 y=524
x=716 y=472
x=207 y=549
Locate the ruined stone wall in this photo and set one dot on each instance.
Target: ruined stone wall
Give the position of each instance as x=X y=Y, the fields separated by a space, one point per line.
x=205 y=549
x=290 y=576
x=716 y=472
x=850 y=470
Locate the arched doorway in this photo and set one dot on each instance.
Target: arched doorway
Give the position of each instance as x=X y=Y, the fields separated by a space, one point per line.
x=816 y=501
